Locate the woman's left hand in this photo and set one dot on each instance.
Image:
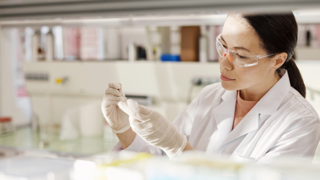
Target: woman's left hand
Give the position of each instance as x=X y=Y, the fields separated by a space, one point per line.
x=155 y=129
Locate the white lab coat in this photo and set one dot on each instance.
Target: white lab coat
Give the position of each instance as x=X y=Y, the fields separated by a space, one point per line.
x=282 y=123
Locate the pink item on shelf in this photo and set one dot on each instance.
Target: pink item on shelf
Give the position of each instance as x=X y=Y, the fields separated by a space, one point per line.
x=317 y=34
x=71 y=43
x=89 y=43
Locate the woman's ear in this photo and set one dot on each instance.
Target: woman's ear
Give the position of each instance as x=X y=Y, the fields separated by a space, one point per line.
x=279 y=59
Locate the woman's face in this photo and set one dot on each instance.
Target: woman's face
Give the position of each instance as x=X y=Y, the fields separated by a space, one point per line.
x=238 y=35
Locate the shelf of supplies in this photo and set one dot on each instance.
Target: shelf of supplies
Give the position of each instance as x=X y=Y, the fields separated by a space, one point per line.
x=159 y=62
x=121 y=61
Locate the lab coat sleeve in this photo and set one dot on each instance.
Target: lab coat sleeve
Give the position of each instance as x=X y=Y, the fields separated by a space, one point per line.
x=139 y=145
x=300 y=140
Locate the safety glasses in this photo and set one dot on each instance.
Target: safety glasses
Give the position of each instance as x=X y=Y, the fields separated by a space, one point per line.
x=237 y=58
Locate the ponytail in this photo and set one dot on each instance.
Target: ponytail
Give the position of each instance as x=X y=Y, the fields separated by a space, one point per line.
x=295 y=77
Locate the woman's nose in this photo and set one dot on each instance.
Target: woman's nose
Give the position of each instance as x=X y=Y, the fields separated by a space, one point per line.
x=226 y=64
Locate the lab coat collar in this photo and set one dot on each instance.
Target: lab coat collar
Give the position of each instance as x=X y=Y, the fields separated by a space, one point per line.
x=248 y=124
x=267 y=105
x=229 y=94
x=271 y=101
x=224 y=115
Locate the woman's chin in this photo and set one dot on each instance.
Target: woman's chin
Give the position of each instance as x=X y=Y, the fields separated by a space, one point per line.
x=228 y=86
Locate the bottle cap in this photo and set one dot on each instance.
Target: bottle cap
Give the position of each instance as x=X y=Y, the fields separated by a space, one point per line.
x=5 y=119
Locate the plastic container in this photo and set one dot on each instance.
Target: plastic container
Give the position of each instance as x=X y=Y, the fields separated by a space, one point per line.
x=170 y=57
x=5 y=125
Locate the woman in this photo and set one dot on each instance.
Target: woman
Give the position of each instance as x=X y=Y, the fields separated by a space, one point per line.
x=257 y=112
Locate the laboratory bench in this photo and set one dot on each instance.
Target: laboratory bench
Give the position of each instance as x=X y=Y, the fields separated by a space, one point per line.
x=74 y=161
x=26 y=139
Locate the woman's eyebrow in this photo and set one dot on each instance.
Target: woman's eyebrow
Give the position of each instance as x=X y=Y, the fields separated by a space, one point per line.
x=223 y=39
x=242 y=48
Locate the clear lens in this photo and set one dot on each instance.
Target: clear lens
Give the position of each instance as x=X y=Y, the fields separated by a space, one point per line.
x=238 y=59
x=220 y=48
x=244 y=61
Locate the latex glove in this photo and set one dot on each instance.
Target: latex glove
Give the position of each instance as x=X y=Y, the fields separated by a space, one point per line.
x=155 y=129
x=116 y=118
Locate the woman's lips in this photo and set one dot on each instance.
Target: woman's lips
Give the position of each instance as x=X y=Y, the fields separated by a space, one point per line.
x=225 y=78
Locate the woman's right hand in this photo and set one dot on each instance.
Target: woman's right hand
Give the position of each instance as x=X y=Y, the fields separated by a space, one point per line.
x=116 y=118
x=155 y=129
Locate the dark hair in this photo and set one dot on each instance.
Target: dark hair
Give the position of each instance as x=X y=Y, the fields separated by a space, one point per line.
x=279 y=33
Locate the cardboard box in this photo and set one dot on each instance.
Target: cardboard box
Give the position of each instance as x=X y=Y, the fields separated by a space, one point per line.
x=190 y=43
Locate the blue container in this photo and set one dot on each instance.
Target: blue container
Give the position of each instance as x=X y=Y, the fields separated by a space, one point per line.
x=170 y=57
